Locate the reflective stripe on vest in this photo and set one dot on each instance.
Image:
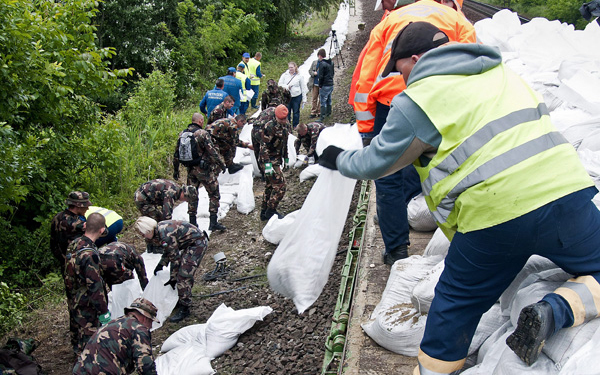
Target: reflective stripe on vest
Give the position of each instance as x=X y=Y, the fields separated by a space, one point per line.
x=364 y=116
x=360 y=97
x=495 y=166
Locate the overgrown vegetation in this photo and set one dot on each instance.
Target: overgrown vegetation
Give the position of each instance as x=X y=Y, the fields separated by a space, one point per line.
x=562 y=10
x=57 y=71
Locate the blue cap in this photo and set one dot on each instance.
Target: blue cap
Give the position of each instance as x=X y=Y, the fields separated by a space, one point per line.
x=246 y=54
x=242 y=65
x=231 y=70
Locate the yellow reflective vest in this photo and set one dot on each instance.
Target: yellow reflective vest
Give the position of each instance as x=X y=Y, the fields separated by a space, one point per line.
x=253 y=64
x=242 y=77
x=110 y=216
x=500 y=156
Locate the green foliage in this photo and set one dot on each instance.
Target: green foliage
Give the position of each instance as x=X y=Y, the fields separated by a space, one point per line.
x=566 y=11
x=12 y=305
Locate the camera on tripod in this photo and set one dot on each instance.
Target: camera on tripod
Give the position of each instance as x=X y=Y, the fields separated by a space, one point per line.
x=332 y=32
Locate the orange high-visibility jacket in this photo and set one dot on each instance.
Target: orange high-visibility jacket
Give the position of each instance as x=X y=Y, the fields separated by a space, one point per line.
x=371 y=86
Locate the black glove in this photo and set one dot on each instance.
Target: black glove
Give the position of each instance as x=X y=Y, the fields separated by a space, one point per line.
x=329 y=156
x=159 y=267
x=176 y=175
x=172 y=283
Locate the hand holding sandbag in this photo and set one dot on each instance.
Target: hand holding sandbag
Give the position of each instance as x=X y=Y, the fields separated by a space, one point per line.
x=329 y=156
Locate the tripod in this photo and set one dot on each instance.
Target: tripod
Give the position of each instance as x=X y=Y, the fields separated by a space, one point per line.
x=336 y=48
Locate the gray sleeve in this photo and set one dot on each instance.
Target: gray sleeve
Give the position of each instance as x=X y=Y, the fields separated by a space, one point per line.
x=407 y=134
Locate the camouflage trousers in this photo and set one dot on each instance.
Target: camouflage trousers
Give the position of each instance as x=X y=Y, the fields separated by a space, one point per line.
x=208 y=179
x=185 y=267
x=82 y=324
x=227 y=151
x=256 y=135
x=274 y=188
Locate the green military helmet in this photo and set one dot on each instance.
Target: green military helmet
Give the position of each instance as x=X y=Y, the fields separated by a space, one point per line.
x=144 y=307
x=78 y=199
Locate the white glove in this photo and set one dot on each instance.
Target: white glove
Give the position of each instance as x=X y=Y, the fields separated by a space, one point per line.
x=303 y=103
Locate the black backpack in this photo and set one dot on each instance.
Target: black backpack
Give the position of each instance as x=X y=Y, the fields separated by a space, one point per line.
x=188 y=149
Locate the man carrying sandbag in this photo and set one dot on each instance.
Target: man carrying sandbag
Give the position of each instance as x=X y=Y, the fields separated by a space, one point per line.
x=488 y=157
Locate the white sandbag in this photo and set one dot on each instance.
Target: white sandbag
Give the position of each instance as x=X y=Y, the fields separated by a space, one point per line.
x=489 y=323
x=245 y=197
x=583 y=361
x=299 y=161
x=185 y=360
x=249 y=94
x=163 y=297
x=122 y=295
x=242 y=156
x=535 y=264
x=310 y=172
x=567 y=341
x=419 y=216
x=291 y=149
x=300 y=266
x=276 y=228
x=438 y=244
x=395 y=324
x=489 y=343
x=184 y=336
x=226 y=324
x=424 y=291
x=246 y=133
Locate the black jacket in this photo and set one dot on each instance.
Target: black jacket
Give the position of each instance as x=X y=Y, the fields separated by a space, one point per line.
x=326 y=73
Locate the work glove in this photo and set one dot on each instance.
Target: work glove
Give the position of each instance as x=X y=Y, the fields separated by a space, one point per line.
x=176 y=175
x=303 y=103
x=104 y=318
x=159 y=267
x=172 y=283
x=329 y=156
x=286 y=164
x=268 y=169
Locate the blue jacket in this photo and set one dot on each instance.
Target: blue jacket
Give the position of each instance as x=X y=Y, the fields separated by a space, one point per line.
x=212 y=99
x=232 y=87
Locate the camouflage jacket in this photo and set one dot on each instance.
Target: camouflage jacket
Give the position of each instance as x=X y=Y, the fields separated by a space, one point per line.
x=309 y=140
x=159 y=192
x=225 y=134
x=218 y=113
x=65 y=227
x=120 y=347
x=273 y=145
x=86 y=294
x=117 y=262
x=264 y=117
x=274 y=96
x=175 y=236
x=206 y=148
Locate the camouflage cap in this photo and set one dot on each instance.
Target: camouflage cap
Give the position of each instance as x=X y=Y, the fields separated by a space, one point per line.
x=78 y=199
x=144 y=307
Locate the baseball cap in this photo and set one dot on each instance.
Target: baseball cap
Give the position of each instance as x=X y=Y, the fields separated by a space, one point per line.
x=241 y=65
x=144 y=307
x=246 y=54
x=414 y=39
x=231 y=69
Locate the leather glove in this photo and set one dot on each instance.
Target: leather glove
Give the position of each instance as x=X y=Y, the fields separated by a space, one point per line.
x=329 y=156
x=104 y=318
x=176 y=175
x=366 y=141
x=172 y=283
x=159 y=267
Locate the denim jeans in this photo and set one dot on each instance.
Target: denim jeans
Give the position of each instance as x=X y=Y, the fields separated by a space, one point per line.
x=294 y=110
x=325 y=95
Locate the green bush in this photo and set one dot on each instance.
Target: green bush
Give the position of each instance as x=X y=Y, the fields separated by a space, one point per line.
x=12 y=308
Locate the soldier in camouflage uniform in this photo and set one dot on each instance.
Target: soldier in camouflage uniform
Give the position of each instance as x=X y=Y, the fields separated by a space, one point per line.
x=184 y=245
x=123 y=346
x=273 y=148
x=274 y=95
x=68 y=225
x=117 y=262
x=204 y=172
x=308 y=135
x=85 y=288
x=221 y=110
x=156 y=198
x=225 y=134
x=256 y=134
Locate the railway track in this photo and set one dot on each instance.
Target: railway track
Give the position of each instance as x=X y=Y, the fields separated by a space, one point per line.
x=486 y=10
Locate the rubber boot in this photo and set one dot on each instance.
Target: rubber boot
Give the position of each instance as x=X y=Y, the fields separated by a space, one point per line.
x=534 y=327
x=182 y=313
x=329 y=110
x=398 y=253
x=323 y=113
x=263 y=216
x=270 y=212
x=193 y=220
x=234 y=168
x=214 y=224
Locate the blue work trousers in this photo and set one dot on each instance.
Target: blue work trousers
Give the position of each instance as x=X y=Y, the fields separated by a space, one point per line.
x=244 y=107
x=393 y=193
x=294 y=110
x=325 y=95
x=481 y=264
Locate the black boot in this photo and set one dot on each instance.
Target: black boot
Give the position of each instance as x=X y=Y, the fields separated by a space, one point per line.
x=233 y=168
x=323 y=113
x=182 y=313
x=329 y=110
x=263 y=217
x=534 y=327
x=269 y=212
x=193 y=220
x=392 y=256
x=214 y=224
